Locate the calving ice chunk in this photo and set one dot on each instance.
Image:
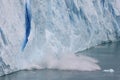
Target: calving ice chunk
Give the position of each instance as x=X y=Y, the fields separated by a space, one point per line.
x=51 y=31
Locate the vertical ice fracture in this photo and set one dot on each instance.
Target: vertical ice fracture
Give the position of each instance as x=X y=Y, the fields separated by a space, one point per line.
x=27 y=23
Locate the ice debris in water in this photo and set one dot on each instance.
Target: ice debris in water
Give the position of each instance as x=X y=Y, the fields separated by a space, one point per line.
x=109 y=70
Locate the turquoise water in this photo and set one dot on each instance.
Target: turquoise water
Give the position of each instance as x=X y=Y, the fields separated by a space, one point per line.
x=107 y=54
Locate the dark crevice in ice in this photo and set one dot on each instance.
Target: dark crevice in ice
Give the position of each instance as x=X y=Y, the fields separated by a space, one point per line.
x=27 y=25
x=3 y=37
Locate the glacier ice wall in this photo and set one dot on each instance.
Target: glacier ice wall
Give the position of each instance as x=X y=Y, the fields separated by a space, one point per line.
x=42 y=28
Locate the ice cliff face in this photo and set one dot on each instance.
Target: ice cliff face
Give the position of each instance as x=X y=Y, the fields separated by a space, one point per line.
x=32 y=30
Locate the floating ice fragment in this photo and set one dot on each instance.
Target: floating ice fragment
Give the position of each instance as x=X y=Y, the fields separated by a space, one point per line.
x=109 y=70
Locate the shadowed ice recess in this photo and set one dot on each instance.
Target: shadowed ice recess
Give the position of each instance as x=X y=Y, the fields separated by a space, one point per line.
x=27 y=24
x=50 y=32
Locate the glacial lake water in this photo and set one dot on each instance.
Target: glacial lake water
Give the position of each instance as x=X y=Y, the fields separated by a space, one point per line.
x=107 y=54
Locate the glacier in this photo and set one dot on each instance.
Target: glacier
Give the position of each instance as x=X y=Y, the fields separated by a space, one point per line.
x=38 y=34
